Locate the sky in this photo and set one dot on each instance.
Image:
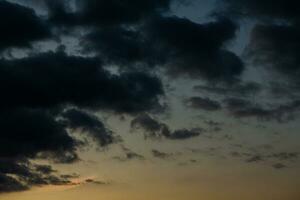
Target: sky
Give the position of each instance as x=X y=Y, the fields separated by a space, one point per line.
x=152 y=99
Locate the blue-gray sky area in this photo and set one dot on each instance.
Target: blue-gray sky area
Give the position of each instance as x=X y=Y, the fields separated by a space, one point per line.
x=152 y=99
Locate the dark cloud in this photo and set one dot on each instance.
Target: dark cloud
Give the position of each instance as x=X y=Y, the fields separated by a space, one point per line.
x=37 y=92
x=76 y=119
x=277 y=47
x=26 y=132
x=65 y=157
x=265 y=154
x=161 y=155
x=279 y=166
x=129 y=155
x=285 y=156
x=156 y=129
x=80 y=81
x=60 y=12
x=275 y=39
x=10 y=184
x=203 y=104
x=69 y=176
x=255 y=158
x=256 y=112
x=152 y=127
x=104 y=12
x=95 y=182
x=15 y=20
x=213 y=123
x=246 y=89
x=236 y=103
x=287 y=90
x=280 y=9
x=133 y=155
x=116 y=12
x=241 y=108
x=141 y=32
x=183 y=134
x=19 y=175
x=45 y=169
x=122 y=46
x=37 y=89
x=235 y=154
x=196 y=50
x=214 y=126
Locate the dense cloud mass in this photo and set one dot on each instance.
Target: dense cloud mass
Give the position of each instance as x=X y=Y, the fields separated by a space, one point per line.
x=104 y=12
x=36 y=90
x=196 y=50
x=118 y=45
x=24 y=132
x=42 y=91
x=131 y=33
x=64 y=80
x=16 y=20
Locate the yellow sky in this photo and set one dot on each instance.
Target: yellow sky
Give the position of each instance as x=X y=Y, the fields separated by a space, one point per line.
x=209 y=180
